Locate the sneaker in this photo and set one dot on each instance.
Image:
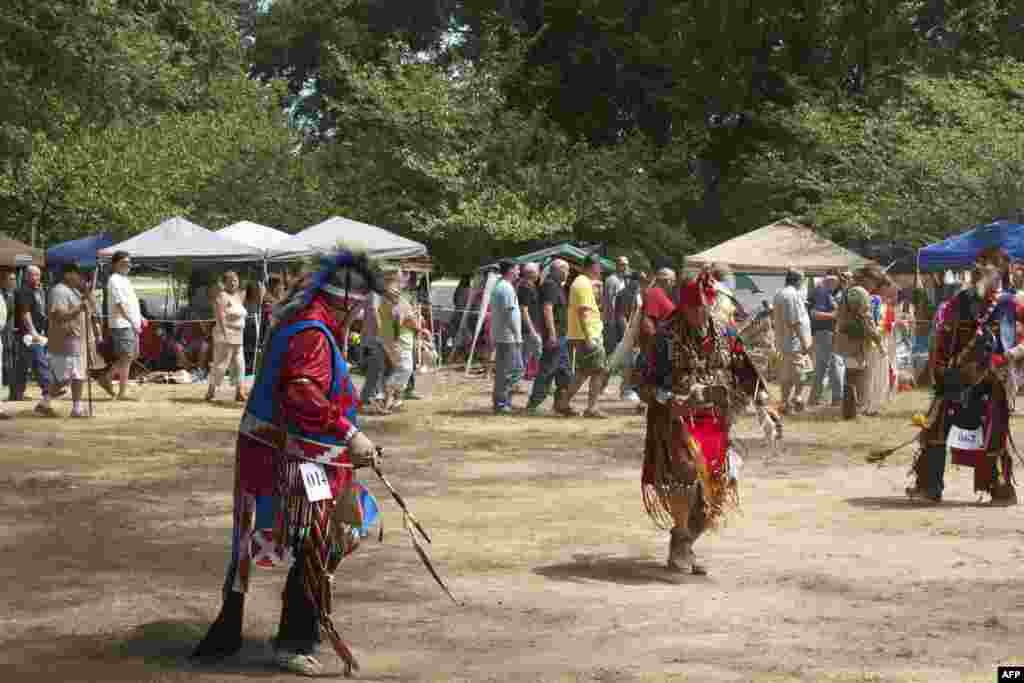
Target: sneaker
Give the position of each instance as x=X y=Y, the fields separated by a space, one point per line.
x=915 y=493
x=107 y=385
x=412 y=396
x=503 y=410
x=298 y=663
x=79 y=413
x=45 y=410
x=531 y=411
x=631 y=396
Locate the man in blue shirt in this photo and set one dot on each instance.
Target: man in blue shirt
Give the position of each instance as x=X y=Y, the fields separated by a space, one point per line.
x=823 y=323
x=507 y=334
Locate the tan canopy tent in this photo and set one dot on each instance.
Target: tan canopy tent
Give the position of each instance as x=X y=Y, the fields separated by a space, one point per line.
x=777 y=247
x=14 y=253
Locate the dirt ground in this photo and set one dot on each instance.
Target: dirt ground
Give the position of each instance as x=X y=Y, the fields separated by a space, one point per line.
x=116 y=536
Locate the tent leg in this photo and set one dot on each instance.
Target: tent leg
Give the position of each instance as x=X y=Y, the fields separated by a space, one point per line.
x=433 y=338
x=492 y=280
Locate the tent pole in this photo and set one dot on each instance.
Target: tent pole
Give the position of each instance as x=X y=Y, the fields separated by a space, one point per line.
x=484 y=303
x=430 y=311
x=259 y=317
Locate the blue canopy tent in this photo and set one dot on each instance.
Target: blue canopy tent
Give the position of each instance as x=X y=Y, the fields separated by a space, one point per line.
x=959 y=252
x=81 y=251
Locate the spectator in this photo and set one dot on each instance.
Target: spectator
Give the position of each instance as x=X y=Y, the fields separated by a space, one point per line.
x=125 y=321
x=460 y=300
x=8 y=287
x=792 y=338
x=228 y=335
x=374 y=357
x=255 y=293
x=3 y=346
x=613 y=286
x=823 y=324
x=419 y=298
x=585 y=334
x=654 y=333
x=626 y=304
x=398 y=329
x=507 y=333
x=528 y=294
x=69 y=314
x=726 y=306
x=31 y=326
x=554 y=361
x=194 y=339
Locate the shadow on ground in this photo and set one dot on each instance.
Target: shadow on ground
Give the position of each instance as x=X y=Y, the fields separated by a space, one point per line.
x=629 y=571
x=164 y=646
x=201 y=400
x=905 y=503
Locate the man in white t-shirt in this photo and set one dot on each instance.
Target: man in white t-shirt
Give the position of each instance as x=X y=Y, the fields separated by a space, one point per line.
x=125 y=319
x=792 y=338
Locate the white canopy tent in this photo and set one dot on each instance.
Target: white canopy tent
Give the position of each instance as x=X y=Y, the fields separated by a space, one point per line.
x=177 y=239
x=325 y=236
x=254 y=234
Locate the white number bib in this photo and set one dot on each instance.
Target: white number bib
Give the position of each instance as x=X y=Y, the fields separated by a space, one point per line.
x=966 y=439
x=314 y=478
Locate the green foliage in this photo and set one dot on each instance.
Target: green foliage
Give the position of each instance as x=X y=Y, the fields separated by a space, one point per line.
x=482 y=128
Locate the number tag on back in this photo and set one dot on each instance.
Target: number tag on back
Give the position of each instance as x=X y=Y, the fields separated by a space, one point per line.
x=314 y=478
x=966 y=439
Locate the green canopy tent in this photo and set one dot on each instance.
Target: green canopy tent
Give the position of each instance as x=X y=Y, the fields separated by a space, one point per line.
x=565 y=251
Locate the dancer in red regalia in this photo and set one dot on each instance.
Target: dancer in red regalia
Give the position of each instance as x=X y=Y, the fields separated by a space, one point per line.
x=300 y=428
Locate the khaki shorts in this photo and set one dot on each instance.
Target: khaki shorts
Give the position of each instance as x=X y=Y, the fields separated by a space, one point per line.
x=587 y=363
x=124 y=342
x=64 y=369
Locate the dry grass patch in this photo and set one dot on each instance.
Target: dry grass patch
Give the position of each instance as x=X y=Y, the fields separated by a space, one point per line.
x=826 y=575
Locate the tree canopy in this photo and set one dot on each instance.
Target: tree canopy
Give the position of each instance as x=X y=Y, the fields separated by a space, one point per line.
x=480 y=127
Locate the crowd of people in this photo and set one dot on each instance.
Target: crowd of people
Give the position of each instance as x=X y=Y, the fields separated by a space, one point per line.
x=218 y=336
x=845 y=332
x=569 y=329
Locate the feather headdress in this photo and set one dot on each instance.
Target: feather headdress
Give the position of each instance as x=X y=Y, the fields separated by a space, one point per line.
x=341 y=274
x=700 y=291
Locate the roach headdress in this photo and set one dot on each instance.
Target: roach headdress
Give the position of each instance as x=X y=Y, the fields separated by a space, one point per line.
x=698 y=292
x=344 y=272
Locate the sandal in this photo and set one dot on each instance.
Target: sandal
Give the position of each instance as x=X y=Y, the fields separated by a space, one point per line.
x=566 y=410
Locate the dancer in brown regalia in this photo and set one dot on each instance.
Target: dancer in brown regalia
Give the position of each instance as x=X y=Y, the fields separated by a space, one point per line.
x=699 y=379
